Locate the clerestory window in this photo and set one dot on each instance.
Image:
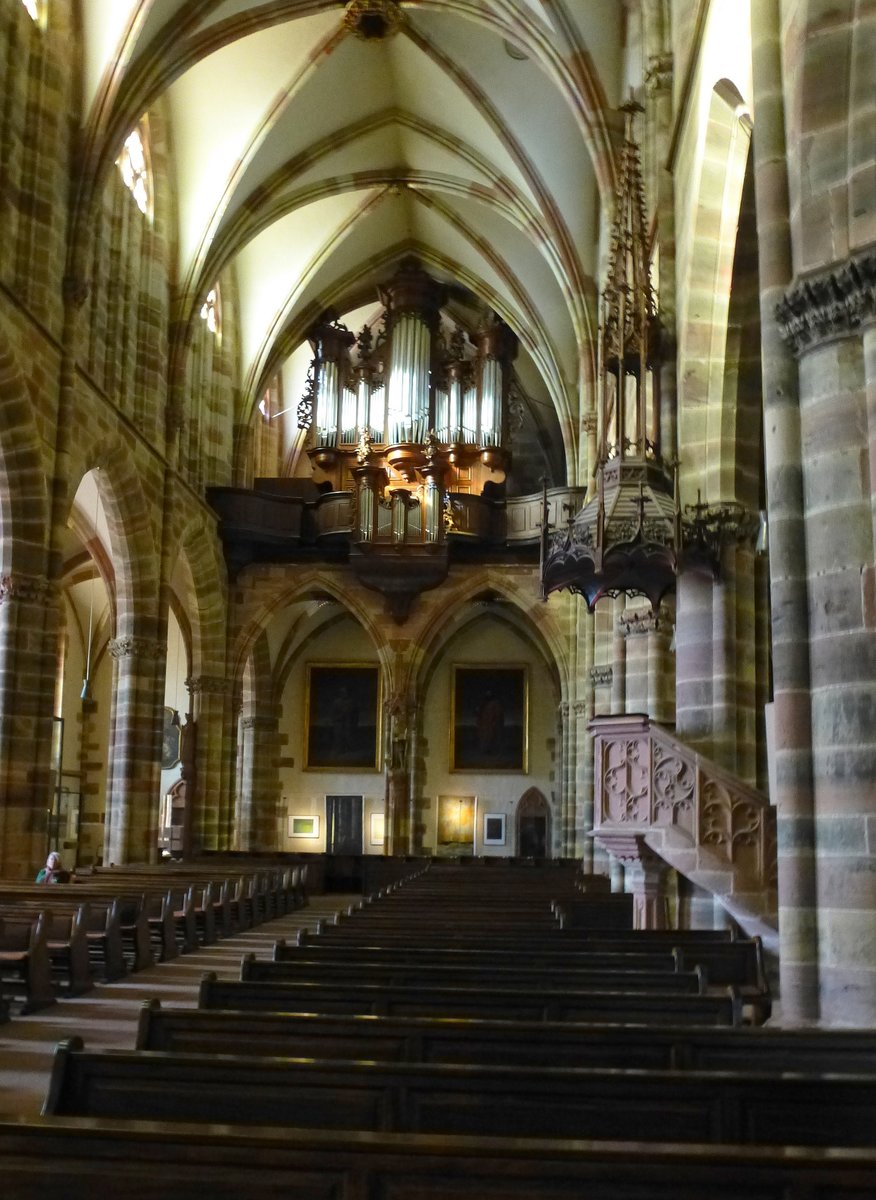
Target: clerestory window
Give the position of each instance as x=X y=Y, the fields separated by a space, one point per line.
x=134 y=168
x=210 y=310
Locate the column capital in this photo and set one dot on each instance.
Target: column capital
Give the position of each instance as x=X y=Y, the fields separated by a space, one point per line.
x=601 y=676
x=830 y=304
x=266 y=724
x=207 y=685
x=29 y=589
x=132 y=646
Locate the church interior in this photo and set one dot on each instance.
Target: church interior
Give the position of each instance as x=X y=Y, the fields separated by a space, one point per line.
x=471 y=468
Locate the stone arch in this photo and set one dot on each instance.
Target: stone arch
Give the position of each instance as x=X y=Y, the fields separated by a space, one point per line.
x=364 y=607
x=208 y=581
x=532 y=805
x=132 y=540
x=704 y=310
x=513 y=605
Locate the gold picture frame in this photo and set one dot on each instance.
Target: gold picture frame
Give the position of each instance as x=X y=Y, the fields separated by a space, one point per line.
x=456 y=824
x=342 y=717
x=489 y=718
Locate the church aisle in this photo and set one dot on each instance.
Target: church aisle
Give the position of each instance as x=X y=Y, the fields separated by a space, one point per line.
x=106 y=1018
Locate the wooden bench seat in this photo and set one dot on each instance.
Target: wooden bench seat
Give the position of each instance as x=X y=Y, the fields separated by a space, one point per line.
x=738 y=963
x=721 y=1107
x=66 y=937
x=79 y=1158
x=111 y=921
x=25 y=964
x=446 y=1039
x=473 y=975
x=560 y=1005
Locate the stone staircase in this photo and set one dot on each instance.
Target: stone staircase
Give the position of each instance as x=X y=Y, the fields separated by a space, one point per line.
x=658 y=801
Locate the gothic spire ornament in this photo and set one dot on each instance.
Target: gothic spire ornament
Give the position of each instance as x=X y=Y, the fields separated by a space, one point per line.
x=626 y=537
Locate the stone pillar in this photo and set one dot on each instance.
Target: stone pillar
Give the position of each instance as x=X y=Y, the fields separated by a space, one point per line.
x=600 y=682
x=645 y=877
x=566 y=776
x=619 y=660
x=724 y=665
x=634 y=627
x=399 y=727
x=694 y=659
x=661 y=668
x=843 y=669
x=132 y=810
x=211 y=815
x=784 y=476
x=582 y=796
x=261 y=782
x=28 y=646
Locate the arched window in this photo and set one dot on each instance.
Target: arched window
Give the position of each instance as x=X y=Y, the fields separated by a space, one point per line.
x=34 y=8
x=134 y=167
x=210 y=310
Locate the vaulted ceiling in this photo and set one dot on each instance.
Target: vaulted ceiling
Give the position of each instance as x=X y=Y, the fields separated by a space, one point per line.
x=310 y=158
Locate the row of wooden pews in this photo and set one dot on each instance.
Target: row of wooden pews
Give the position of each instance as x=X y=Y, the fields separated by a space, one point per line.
x=391 y=1055
x=57 y=940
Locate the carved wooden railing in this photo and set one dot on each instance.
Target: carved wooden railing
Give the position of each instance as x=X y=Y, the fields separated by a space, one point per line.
x=713 y=828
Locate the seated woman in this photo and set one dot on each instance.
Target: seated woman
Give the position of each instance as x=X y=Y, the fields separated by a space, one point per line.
x=53 y=871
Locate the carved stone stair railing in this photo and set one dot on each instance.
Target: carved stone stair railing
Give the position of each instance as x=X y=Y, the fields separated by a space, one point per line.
x=657 y=799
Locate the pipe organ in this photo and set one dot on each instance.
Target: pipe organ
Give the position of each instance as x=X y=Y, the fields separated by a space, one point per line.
x=420 y=402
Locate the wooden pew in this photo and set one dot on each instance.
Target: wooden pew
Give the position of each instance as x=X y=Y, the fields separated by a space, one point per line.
x=724 y=962
x=519 y=1043
x=110 y=920
x=472 y=975
x=25 y=965
x=66 y=937
x=643 y=1007
x=80 y=1158
x=451 y=1098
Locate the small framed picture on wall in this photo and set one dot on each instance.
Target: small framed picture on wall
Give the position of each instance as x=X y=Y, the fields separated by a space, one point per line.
x=494 y=829
x=377 y=831
x=303 y=827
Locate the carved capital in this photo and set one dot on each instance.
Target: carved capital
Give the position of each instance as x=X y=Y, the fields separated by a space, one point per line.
x=266 y=724
x=832 y=304
x=579 y=708
x=658 y=74
x=564 y=710
x=207 y=685
x=636 y=624
x=29 y=589
x=137 y=647
x=601 y=676
x=589 y=422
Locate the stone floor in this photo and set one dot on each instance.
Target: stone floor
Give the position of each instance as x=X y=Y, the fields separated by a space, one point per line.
x=107 y=1016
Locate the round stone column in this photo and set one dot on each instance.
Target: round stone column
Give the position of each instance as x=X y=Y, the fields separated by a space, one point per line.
x=792 y=756
x=839 y=541
x=28 y=647
x=131 y=833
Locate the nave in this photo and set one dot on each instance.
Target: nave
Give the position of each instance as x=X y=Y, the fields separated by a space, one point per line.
x=472 y=1031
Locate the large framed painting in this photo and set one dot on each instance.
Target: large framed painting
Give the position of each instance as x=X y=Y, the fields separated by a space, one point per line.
x=456 y=823
x=489 y=718
x=342 y=706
